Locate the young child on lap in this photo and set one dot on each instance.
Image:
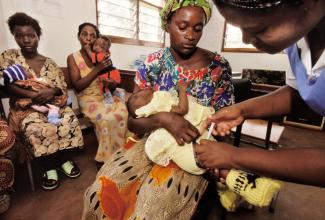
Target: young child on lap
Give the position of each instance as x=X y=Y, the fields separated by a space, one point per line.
x=16 y=74
x=161 y=146
x=108 y=76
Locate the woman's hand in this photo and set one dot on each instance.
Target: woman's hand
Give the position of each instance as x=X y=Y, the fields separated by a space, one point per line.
x=214 y=155
x=225 y=119
x=105 y=63
x=182 y=130
x=43 y=96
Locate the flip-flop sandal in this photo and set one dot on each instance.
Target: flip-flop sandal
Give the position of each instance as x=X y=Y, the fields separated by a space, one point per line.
x=70 y=169
x=50 y=180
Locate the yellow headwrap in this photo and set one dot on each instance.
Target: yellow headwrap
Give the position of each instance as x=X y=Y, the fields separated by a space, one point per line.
x=173 y=5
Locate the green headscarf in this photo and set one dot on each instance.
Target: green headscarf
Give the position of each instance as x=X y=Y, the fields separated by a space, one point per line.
x=173 y=5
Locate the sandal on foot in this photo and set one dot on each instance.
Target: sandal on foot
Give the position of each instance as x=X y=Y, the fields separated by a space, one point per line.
x=50 y=180
x=70 y=169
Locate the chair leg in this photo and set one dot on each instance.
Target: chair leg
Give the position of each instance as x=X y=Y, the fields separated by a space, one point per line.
x=238 y=135
x=268 y=133
x=30 y=175
x=273 y=203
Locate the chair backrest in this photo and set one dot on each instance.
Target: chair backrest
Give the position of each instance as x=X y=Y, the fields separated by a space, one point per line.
x=242 y=89
x=269 y=77
x=67 y=77
x=4 y=107
x=127 y=80
x=4 y=104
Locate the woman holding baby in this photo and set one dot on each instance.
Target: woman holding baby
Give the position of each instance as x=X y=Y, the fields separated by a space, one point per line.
x=109 y=117
x=47 y=140
x=129 y=185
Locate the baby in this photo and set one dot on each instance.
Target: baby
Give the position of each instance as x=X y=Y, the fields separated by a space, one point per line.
x=16 y=74
x=161 y=146
x=110 y=75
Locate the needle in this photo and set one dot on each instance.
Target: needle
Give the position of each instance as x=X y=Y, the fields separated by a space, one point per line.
x=210 y=130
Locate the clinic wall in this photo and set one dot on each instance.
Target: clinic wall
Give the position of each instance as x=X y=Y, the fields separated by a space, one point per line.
x=3 y=38
x=60 y=36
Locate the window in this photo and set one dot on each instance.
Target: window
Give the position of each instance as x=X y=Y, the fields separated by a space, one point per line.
x=232 y=40
x=131 y=21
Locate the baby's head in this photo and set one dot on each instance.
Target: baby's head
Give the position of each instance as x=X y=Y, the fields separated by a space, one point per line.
x=14 y=73
x=102 y=44
x=139 y=99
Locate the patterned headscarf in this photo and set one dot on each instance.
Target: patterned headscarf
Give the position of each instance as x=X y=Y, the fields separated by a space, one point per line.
x=173 y=5
x=255 y=4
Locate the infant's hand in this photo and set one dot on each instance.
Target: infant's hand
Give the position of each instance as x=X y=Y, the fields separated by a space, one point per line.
x=107 y=54
x=179 y=110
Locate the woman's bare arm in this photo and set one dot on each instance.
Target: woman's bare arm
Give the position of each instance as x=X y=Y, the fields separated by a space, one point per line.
x=279 y=102
x=80 y=83
x=299 y=165
x=19 y=92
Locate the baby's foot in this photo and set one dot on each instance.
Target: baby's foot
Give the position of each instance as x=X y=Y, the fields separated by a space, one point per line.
x=120 y=94
x=258 y=191
x=108 y=98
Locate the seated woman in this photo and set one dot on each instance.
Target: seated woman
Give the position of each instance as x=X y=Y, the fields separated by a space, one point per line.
x=109 y=119
x=45 y=139
x=130 y=185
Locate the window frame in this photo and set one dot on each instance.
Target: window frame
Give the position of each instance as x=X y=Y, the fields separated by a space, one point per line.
x=235 y=50
x=132 y=41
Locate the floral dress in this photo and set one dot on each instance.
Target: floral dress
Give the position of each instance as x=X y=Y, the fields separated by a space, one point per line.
x=129 y=185
x=110 y=120
x=32 y=126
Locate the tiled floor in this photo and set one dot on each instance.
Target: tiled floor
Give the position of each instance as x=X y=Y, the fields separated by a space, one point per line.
x=295 y=202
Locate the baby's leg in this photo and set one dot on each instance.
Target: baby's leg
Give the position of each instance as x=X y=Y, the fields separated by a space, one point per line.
x=40 y=108
x=119 y=93
x=184 y=157
x=53 y=115
x=108 y=98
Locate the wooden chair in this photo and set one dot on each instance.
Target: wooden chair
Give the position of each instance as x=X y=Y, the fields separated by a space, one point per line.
x=246 y=89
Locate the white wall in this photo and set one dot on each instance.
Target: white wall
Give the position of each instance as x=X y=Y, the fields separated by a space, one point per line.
x=3 y=38
x=60 y=36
